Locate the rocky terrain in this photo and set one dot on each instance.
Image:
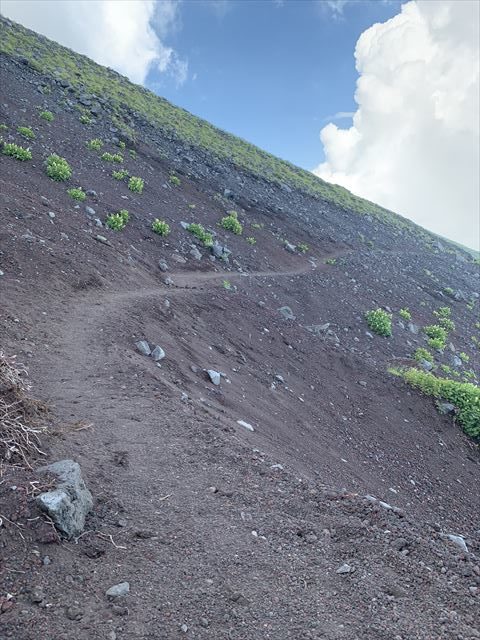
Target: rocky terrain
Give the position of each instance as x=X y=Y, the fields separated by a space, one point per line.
x=263 y=473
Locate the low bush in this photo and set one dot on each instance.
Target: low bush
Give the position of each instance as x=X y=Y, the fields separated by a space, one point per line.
x=95 y=145
x=251 y=240
x=26 y=132
x=161 y=227
x=437 y=336
x=200 y=233
x=120 y=175
x=331 y=261
x=133 y=153
x=405 y=314
x=58 y=168
x=135 y=184
x=302 y=247
x=112 y=157
x=380 y=322
x=84 y=119
x=47 y=115
x=423 y=354
x=16 y=151
x=175 y=181
x=3 y=127
x=465 y=396
x=230 y=223
x=463 y=357
x=117 y=221
x=77 y=194
x=122 y=145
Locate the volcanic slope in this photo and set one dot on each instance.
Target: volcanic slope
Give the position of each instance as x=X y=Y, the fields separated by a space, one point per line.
x=324 y=517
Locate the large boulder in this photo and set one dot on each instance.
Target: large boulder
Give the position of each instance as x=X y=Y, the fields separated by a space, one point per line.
x=70 y=501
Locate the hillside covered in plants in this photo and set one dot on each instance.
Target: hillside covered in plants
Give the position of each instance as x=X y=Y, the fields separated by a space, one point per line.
x=268 y=385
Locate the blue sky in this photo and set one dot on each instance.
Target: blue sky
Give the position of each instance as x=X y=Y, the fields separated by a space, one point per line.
x=272 y=73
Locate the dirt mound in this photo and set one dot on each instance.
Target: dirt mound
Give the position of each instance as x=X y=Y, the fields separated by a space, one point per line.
x=308 y=495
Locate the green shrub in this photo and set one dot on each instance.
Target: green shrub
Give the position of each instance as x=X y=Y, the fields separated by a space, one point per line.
x=443 y=312
x=133 y=153
x=175 y=181
x=331 y=261
x=257 y=225
x=15 y=151
x=58 y=168
x=3 y=127
x=84 y=119
x=446 y=369
x=437 y=335
x=135 y=184
x=405 y=314
x=251 y=240
x=77 y=194
x=463 y=356
x=47 y=115
x=448 y=291
x=95 y=145
x=200 y=233
x=26 y=132
x=112 y=157
x=120 y=175
x=226 y=284
x=122 y=145
x=380 y=322
x=463 y=395
x=230 y=223
x=423 y=354
x=302 y=247
x=117 y=221
x=161 y=227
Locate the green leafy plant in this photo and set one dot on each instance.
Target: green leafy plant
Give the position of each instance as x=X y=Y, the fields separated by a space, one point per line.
x=84 y=119
x=380 y=322
x=405 y=314
x=443 y=312
x=117 y=221
x=95 y=145
x=122 y=145
x=463 y=395
x=26 y=132
x=437 y=336
x=331 y=261
x=449 y=291
x=77 y=194
x=423 y=354
x=192 y=206
x=16 y=151
x=251 y=240
x=58 y=168
x=175 y=180
x=257 y=225
x=161 y=227
x=226 y=284
x=135 y=184
x=120 y=175
x=464 y=357
x=112 y=157
x=3 y=127
x=446 y=369
x=47 y=115
x=230 y=223
x=302 y=247
x=132 y=153
x=200 y=233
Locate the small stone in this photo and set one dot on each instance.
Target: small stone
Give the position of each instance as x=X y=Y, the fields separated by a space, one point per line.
x=51 y=215
x=214 y=376
x=103 y=240
x=118 y=590
x=362 y=383
x=473 y=590
x=246 y=425
x=290 y=247
x=143 y=347
x=445 y=408
x=287 y=313
x=195 y=253
x=119 y=610
x=162 y=265
x=158 y=353
x=37 y=595
x=90 y=211
x=459 y=541
x=91 y=193
x=413 y=328
x=74 y=613
x=184 y=628
x=168 y=281
x=46 y=561
x=345 y=568
x=279 y=378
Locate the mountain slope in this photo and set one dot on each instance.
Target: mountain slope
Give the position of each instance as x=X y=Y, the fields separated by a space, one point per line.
x=224 y=532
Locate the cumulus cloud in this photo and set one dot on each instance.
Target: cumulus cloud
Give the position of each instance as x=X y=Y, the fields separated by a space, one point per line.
x=117 y=34
x=413 y=146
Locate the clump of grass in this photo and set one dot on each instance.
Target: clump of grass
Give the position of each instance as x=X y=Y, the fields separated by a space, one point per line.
x=84 y=119
x=405 y=314
x=58 y=168
x=437 y=336
x=423 y=354
x=331 y=261
x=112 y=157
x=3 y=127
x=16 y=151
x=120 y=175
x=302 y=247
x=175 y=180
x=463 y=395
x=122 y=145
x=77 y=194
x=464 y=357
x=226 y=284
x=380 y=322
x=26 y=132
x=47 y=115
x=118 y=221
x=161 y=227
x=230 y=223
x=136 y=184
x=257 y=225
x=251 y=240
x=132 y=153
x=94 y=145
x=200 y=233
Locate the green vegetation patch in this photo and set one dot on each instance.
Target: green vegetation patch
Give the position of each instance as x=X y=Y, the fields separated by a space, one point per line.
x=380 y=322
x=437 y=336
x=175 y=180
x=405 y=314
x=161 y=227
x=251 y=240
x=47 y=115
x=120 y=175
x=94 y=145
x=118 y=221
x=77 y=194
x=136 y=184
x=423 y=354
x=16 y=151
x=230 y=223
x=26 y=132
x=112 y=157
x=200 y=233
x=58 y=168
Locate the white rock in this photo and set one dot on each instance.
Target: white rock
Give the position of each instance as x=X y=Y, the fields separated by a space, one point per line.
x=247 y=426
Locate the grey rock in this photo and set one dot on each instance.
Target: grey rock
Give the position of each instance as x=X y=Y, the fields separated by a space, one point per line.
x=426 y=365
x=51 y=215
x=91 y=193
x=279 y=378
x=162 y=265
x=74 y=613
x=344 y=568
x=219 y=251
x=184 y=225
x=90 y=211
x=456 y=362
x=168 y=281
x=227 y=193
x=103 y=240
x=158 y=353
x=318 y=329
x=245 y=425
x=439 y=246
x=287 y=313
x=413 y=328
x=37 y=595
x=195 y=253
x=118 y=590
x=458 y=540
x=143 y=347
x=460 y=296
x=98 y=222
x=445 y=408
x=290 y=247
x=214 y=376
x=70 y=502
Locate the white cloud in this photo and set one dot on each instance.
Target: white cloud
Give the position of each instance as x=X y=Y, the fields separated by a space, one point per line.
x=414 y=143
x=115 y=33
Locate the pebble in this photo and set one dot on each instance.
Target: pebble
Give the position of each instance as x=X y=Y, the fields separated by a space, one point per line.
x=51 y=215
x=345 y=568
x=37 y=595
x=74 y=613
x=162 y=265
x=143 y=347
x=90 y=211
x=158 y=353
x=247 y=426
x=118 y=590
x=214 y=376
